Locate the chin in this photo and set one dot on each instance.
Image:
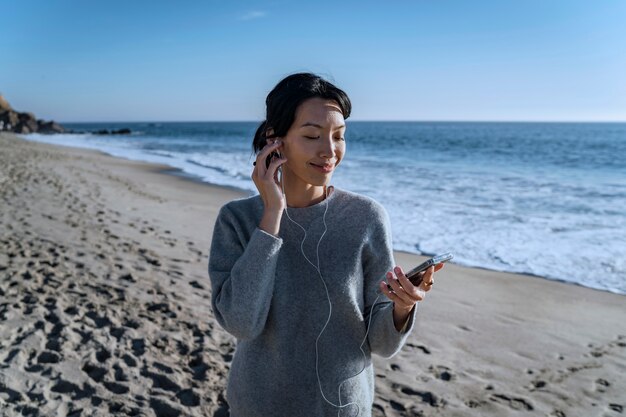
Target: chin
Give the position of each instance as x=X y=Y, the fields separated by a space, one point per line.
x=321 y=182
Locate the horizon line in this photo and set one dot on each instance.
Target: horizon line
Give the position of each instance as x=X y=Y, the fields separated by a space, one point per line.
x=359 y=120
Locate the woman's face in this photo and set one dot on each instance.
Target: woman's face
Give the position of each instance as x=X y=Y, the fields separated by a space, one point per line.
x=314 y=144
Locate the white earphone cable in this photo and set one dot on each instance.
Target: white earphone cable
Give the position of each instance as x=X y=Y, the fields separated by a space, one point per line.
x=317 y=268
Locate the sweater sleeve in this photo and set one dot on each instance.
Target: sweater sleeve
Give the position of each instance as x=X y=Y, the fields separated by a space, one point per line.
x=242 y=276
x=383 y=337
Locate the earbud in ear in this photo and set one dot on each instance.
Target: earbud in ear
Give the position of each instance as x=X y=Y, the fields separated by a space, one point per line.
x=277 y=152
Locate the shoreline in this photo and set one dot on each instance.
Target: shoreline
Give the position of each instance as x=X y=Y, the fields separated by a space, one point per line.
x=107 y=308
x=180 y=173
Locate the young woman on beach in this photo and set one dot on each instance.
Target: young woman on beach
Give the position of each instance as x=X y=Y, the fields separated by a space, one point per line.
x=297 y=271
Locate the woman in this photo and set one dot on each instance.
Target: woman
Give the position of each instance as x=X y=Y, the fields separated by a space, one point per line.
x=299 y=292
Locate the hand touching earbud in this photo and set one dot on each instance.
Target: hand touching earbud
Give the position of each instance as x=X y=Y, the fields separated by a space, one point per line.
x=266 y=181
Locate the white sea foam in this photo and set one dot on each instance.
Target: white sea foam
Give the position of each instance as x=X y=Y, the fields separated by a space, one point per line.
x=563 y=227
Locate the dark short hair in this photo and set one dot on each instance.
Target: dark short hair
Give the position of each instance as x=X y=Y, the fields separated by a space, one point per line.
x=282 y=102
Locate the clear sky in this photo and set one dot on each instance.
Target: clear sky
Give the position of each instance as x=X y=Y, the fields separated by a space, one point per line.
x=545 y=60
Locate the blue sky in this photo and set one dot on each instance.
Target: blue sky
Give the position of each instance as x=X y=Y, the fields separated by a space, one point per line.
x=545 y=60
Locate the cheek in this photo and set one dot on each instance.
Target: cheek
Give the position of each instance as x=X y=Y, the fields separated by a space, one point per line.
x=296 y=155
x=341 y=150
x=299 y=152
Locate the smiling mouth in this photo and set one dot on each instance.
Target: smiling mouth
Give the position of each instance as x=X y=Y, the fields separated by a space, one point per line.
x=325 y=168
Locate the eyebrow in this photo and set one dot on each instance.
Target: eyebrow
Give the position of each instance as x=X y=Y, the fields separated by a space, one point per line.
x=318 y=126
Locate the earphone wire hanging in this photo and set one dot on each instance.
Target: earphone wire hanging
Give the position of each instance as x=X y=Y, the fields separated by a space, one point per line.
x=317 y=268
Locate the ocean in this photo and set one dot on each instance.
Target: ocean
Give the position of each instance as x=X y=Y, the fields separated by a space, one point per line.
x=547 y=199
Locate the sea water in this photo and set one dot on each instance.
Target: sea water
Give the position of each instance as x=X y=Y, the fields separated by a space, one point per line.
x=547 y=199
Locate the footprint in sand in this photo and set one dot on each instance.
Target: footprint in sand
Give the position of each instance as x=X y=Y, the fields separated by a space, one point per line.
x=424 y=349
x=475 y=403
x=513 y=403
x=188 y=397
x=426 y=396
x=164 y=408
x=602 y=385
x=12 y=396
x=138 y=346
x=537 y=385
x=102 y=355
x=442 y=372
x=197 y=285
x=128 y=278
x=115 y=387
x=198 y=368
x=129 y=360
x=94 y=372
x=161 y=381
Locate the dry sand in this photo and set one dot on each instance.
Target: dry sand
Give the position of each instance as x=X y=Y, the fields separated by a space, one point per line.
x=105 y=309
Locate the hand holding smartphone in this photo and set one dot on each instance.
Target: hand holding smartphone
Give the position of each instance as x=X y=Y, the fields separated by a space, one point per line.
x=415 y=274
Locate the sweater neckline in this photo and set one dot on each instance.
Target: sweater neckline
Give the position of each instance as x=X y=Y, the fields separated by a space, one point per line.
x=316 y=206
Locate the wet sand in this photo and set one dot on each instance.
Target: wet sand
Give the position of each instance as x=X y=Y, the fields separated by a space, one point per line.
x=105 y=309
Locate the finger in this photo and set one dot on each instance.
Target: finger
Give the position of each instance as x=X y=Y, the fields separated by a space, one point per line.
x=428 y=275
x=407 y=285
x=390 y=294
x=422 y=276
x=255 y=173
x=262 y=156
x=428 y=278
x=273 y=168
x=400 y=292
x=439 y=266
x=279 y=181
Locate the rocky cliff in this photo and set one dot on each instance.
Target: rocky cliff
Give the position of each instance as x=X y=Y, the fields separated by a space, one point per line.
x=24 y=122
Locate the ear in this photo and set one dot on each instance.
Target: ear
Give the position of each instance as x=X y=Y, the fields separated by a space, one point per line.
x=270 y=132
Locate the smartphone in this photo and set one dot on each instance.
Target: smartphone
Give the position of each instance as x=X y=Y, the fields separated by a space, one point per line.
x=414 y=274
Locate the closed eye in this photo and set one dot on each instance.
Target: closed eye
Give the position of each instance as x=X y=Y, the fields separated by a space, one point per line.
x=317 y=137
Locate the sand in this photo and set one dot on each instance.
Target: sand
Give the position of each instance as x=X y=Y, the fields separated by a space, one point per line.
x=105 y=309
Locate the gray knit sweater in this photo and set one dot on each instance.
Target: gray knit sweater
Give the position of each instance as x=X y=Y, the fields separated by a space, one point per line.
x=272 y=300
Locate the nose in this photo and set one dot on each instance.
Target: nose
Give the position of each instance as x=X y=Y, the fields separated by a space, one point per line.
x=327 y=148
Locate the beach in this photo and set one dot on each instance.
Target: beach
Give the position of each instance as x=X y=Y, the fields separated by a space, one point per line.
x=105 y=309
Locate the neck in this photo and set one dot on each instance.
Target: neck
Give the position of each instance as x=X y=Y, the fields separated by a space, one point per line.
x=301 y=195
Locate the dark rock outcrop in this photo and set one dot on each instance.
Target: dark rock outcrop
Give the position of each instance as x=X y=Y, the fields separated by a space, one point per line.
x=124 y=131
x=24 y=122
x=49 y=127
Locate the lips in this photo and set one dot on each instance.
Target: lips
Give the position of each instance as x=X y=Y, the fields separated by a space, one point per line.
x=323 y=167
